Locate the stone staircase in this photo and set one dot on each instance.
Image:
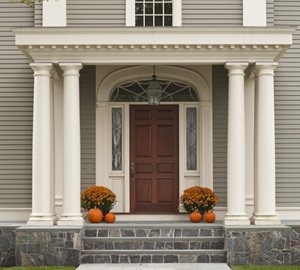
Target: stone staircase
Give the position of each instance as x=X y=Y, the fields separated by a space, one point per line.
x=144 y=242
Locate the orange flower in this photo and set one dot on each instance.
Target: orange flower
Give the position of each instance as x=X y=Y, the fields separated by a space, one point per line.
x=98 y=197
x=199 y=199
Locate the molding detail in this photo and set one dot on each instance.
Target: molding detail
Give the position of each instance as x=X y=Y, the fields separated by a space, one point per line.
x=133 y=45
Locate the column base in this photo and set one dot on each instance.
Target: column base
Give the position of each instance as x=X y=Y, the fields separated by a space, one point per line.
x=236 y=220
x=263 y=219
x=41 y=220
x=71 y=220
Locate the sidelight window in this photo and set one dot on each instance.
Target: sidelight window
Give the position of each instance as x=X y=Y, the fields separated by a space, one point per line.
x=191 y=138
x=116 y=139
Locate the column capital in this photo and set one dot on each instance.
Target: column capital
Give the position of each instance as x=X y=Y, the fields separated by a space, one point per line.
x=73 y=65
x=266 y=68
x=236 y=65
x=71 y=69
x=41 y=68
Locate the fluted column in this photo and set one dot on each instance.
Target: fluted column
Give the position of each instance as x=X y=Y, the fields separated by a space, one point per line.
x=236 y=208
x=42 y=148
x=264 y=175
x=71 y=214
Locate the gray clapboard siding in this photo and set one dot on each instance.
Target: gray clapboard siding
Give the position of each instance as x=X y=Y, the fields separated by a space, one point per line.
x=220 y=111
x=287 y=110
x=88 y=126
x=270 y=12
x=209 y=13
x=38 y=15
x=16 y=101
x=96 y=13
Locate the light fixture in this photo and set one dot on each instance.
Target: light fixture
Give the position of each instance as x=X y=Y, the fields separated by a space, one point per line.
x=154 y=90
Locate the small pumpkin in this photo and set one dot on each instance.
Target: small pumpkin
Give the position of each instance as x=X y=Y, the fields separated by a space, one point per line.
x=210 y=217
x=110 y=217
x=195 y=217
x=95 y=215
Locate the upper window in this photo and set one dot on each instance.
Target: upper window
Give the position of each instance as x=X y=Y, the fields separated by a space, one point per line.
x=153 y=13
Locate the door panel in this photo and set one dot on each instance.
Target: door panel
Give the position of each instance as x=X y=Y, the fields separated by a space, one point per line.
x=154 y=180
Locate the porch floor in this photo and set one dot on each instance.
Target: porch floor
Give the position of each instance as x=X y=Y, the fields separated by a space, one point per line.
x=158 y=266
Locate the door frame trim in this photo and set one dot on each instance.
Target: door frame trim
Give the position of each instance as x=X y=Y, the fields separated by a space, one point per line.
x=115 y=180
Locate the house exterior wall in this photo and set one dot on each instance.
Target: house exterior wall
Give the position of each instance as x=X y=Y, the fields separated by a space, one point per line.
x=194 y=13
x=287 y=112
x=16 y=110
x=16 y=89
x=220 y=109
x=88 y=125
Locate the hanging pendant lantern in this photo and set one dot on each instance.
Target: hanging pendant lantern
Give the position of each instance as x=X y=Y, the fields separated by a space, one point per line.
x=154 y=90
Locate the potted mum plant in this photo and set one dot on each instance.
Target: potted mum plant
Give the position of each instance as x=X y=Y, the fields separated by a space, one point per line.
x=96 y=199
x=200 y=200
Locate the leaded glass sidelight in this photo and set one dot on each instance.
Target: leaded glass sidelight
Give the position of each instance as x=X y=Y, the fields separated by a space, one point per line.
x=116 y=139
x=191 y=138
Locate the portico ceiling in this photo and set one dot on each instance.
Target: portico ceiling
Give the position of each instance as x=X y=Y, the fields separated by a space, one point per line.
x=132 y=45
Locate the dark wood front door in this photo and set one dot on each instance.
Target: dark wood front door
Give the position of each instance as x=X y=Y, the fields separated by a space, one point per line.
x=154 y=184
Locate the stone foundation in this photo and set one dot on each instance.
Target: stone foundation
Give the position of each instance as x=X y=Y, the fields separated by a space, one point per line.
x=257 y=245
x=7 y=246
x=48 y=246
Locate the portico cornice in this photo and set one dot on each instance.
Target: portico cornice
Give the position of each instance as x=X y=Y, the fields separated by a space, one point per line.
x=131 y=45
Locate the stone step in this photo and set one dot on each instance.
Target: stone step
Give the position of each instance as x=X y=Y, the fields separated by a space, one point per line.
x=141 y=242
x=156 y=266
x=147 y=243
x=153 y=231
x=153 y=256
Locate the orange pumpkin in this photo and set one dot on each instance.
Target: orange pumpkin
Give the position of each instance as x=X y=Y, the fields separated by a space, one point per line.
x=110 y=217
x=210 y=217
x=195 y=217
x=95 y=215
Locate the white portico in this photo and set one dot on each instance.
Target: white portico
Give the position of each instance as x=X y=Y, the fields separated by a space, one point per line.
x=251 y=51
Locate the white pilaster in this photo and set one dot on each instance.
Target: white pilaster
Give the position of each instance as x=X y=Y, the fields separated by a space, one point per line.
x=71 y=214
x=54 y=13
x=236 y=209
x=254 y=13
x=42 y=148
x=265 y=193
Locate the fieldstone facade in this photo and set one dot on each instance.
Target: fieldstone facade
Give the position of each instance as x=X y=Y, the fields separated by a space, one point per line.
x=48 y=246
x=55 y=245
x=7 y=246
x=259 y=246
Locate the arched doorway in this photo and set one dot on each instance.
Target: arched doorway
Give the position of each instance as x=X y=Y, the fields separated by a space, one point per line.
x=189 y=98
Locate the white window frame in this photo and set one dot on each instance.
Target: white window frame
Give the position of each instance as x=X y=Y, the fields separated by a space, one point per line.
x=130 y=13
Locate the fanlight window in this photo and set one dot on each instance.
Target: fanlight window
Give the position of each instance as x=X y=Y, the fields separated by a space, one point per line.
x=135 y=91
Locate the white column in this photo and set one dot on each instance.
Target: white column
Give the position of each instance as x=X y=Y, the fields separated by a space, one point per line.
x=42 y=210
x=52 y=143
x=236 y=209
x=71 y=214
x=265 y=193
